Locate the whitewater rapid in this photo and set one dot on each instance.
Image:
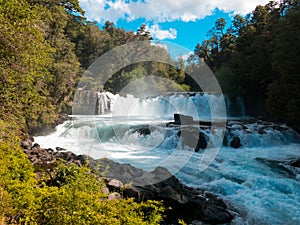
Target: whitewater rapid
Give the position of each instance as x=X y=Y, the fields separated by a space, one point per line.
x=247 y=178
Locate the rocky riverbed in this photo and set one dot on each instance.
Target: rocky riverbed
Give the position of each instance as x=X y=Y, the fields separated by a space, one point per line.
x=190 y=204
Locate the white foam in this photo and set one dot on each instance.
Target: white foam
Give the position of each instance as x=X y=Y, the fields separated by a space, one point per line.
x=266 y=196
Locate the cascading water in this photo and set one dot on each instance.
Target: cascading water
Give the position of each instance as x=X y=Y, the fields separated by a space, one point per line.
x=256 y=178
x=194 y=104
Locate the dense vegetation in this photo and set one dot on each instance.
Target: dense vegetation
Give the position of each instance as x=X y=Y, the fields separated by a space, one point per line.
x=75 y=195
x=45 y=46
x=258 y=58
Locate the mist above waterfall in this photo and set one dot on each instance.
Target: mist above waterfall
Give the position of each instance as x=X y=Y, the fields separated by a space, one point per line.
x=199 y=105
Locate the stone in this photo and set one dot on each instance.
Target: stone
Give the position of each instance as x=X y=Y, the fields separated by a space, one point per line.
x=187 y=203
x=105 y=190
x=159 y=184
x=296 y=163
x=235 y=142
x=35 y=145
x=59 y=149
x=213 y=212
x=114 y=196
x=183 y=119
x=193 y=138
x=26 y=144
x=144 y=130
x=114 y=183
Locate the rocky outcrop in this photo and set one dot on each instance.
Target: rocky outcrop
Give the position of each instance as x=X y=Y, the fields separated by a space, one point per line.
x=159 y=184
x=192 y=137
x=235 y=142
x=45 y=158
x=286 y=168
x=185 y=202
x=180 y=119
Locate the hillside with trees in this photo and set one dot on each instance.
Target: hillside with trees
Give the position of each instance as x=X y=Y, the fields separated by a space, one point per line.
x=45 y=48
x=257 y=58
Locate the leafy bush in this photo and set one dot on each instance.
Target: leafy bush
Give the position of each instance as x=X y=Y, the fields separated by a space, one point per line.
x=75 y=195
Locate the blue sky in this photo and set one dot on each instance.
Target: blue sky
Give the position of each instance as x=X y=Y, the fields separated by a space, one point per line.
x=183 y=22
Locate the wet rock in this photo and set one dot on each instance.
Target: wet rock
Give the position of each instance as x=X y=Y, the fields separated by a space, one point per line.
x=213 y=213
x=59 y=149
x=183 y=119
x=50 y=150
x=280 y=167
x=68 y=156
x=186 y=202
x=193 y=138
x=144 y=130
x=235 y=142
x=296 y=163
x=26 y=144
x=35 y=145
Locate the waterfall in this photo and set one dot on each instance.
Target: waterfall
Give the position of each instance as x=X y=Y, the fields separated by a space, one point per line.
x=199 y=105
x=241 y=105
x=104 y=102
x=257 y=177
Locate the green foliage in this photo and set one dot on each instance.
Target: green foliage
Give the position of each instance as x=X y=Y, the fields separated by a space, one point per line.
x=17 y=179
x=24 y=57
x=75 y=195
x=258 y=59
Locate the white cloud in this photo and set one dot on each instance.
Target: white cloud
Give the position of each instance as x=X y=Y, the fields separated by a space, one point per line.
x=163 y=10
x=156 y=32
x=184 y=57
x=161 y=45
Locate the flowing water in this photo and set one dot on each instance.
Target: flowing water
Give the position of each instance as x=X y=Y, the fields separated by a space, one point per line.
x=256 y=178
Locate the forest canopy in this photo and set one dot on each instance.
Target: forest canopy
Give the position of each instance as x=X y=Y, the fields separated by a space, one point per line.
x=47 y=45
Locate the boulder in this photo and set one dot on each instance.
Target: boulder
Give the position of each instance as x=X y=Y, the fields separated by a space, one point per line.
x=296 y=163
x=26 y=144
x=193 y=138
x=183 y=119
x=114 y=196
x=281 y=167
x=105 y=190
x=35 y=145
x=114 y=183
x=235 y=142
x=144 y=130
x=59 y=149
x=186 y=202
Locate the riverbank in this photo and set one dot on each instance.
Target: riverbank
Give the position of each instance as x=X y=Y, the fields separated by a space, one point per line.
x=189 y=204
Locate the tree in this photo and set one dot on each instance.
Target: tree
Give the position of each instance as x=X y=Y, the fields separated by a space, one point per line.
x=25 y=54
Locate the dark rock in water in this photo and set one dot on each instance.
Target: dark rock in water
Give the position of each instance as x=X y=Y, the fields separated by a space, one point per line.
x=213 y=212
x=159 y=184
x=296 y=163
x=183 y=119
x=144 y=130
x=35 y=145
x=49 y=150
x=235 y=142
x=280 y=167
x=180 y=119
x=187 y=203
x=59 y=149
x=193 y=138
